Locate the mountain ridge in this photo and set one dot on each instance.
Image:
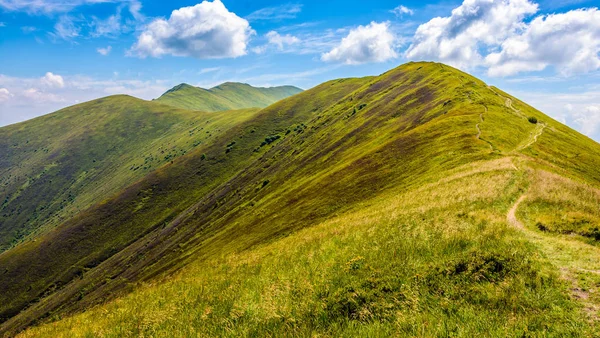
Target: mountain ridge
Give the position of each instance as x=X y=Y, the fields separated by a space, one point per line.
x=359 y=207
x=226 y=96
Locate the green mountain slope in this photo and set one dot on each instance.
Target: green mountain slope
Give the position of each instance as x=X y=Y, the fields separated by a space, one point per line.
x=89 y=239
x=227 y=96
x=408 y=203
x=57 y=165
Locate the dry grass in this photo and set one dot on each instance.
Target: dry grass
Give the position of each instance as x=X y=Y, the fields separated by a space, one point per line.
x=405 y=240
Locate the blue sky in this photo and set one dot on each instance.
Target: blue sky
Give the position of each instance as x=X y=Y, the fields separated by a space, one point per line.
x=57 y=53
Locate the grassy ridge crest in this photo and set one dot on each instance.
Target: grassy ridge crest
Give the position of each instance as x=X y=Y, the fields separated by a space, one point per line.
x=227 y=96
x=359 y=207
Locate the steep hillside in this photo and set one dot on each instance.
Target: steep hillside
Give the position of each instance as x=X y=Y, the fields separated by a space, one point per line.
x=406 y=203
x=227 y=96
x=141 y=212
x=57 y=165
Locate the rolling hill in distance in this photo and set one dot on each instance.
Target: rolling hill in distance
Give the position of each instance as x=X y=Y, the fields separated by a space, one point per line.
x=58 y=165
x=227 y=96
x=420 y=202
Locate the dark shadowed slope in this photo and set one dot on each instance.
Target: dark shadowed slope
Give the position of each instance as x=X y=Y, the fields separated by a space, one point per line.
x=142 y=209
x=359 y=207
x=226 y=96
x=57 y=165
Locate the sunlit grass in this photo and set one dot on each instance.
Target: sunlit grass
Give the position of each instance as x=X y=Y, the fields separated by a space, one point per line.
x=435 y=261
x=363 y=207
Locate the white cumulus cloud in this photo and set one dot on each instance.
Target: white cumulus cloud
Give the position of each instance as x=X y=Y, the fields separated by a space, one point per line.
x=588 y=120
x=53 y=80
x=583 y=116
x=505 y=38
x=5 y=95
x=207 y=31
x=104 y=51
x=401 y=10
x=372 y=43
x=569 y=41
x=475 y=24
x=281 y=40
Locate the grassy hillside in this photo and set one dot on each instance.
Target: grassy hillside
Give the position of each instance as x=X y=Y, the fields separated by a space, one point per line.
x=227 y=96
x=148 y=210
x=434 y=261
x=398 y=204
x=57 y=165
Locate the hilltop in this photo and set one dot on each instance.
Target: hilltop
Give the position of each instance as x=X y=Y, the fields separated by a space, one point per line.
x=227 y=96
x=58 y=165
x=421 y=201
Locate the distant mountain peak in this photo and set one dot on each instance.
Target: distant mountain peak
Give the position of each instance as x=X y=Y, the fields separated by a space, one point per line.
x=178 y=87
x=226 y=96
x=230 y=83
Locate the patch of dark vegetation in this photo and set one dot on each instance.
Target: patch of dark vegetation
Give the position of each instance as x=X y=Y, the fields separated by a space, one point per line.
x=270 y=139
x=366 y=295
x=230 y=147
x=480 y=266
x=369 y=292
x=594 y=233
x=300 y=128
x=576 y=225
x=351 y=113
x=532 y=120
